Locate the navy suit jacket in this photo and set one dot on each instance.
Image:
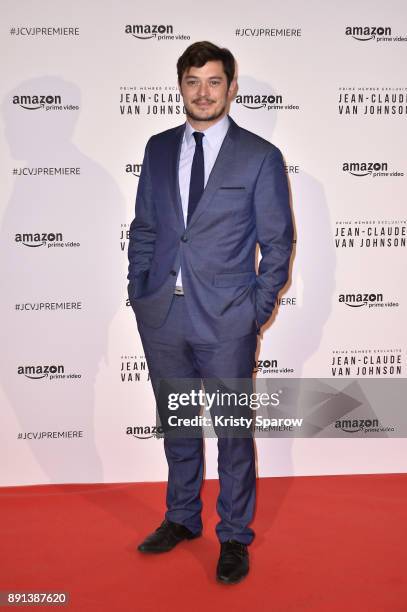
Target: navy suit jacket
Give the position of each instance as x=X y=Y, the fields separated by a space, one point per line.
x=245 y=202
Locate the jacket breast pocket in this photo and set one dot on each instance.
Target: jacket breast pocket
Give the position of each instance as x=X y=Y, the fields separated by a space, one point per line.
x=232 y=189
x=233 y=199
x=234 y=279
x=232 y=192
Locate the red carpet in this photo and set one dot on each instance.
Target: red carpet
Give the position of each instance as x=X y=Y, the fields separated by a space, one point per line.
x=324 y=544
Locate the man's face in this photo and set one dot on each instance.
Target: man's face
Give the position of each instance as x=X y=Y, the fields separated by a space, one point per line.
x=206 y=93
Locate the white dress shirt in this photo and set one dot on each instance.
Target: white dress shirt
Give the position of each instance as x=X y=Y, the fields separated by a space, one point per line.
x=211 y=142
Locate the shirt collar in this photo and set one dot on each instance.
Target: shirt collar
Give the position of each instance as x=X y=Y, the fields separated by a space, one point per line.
x=214 y=135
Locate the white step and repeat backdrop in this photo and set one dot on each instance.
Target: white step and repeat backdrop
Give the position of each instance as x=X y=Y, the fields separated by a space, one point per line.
x=84 y=84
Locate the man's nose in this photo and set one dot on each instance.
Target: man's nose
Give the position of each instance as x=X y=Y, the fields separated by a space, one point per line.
x=203 y=89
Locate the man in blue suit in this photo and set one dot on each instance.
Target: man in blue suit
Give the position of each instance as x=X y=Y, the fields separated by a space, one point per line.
x=209 y=191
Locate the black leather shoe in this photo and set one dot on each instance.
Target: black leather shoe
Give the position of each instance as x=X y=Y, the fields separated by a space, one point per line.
x=233 y=564
x=167 y=536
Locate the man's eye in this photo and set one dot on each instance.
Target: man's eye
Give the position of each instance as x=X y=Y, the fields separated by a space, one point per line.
x=215 y=82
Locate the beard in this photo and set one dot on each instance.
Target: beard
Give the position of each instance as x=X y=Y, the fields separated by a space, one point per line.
x=192 y=115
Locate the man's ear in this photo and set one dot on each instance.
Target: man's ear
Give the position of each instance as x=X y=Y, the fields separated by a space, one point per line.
x=233 y=89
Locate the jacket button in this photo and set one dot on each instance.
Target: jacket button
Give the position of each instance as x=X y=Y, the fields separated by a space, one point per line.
x=184 y=238
x=173 y=272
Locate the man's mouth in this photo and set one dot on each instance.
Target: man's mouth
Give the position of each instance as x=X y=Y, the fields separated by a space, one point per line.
x=203 y=104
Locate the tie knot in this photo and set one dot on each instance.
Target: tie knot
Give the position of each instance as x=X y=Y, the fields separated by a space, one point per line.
x=198 y=138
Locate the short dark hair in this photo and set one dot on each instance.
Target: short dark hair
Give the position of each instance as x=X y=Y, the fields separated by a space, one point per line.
x=204 y=51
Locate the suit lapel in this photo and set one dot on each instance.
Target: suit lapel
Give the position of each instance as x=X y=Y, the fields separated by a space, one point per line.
x=221 y=165
x=174 y=168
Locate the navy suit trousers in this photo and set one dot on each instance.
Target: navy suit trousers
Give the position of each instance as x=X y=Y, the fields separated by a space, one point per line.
x=175 y=350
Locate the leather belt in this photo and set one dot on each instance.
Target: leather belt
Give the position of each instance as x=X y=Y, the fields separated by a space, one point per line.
x=178 y=291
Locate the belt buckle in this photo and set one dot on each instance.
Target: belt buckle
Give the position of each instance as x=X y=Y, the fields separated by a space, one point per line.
x=178 y=290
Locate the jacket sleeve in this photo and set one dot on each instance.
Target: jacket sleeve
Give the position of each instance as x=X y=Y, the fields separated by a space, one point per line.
x=142 y=234
x=274 y=227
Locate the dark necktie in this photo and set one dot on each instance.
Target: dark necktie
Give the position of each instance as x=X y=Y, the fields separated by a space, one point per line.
x=196 y=186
